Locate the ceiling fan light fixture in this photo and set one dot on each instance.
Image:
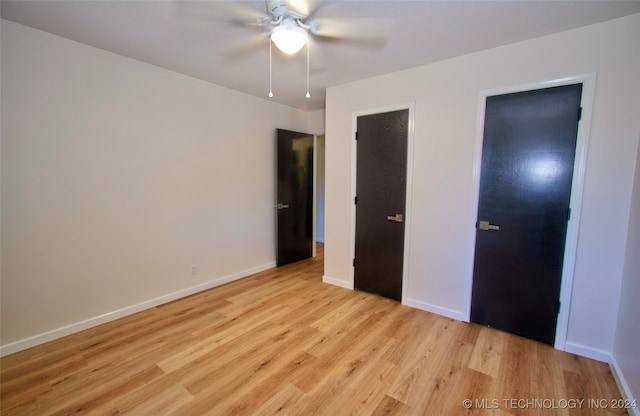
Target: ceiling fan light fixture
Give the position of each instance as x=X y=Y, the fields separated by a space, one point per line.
x=288 y=38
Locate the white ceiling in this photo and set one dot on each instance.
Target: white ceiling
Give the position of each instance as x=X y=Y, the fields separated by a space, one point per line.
x=204 y=40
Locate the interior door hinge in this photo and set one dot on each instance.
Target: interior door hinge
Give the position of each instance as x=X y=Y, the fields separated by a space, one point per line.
x=559 y=304
x=355 y=200
x=579 y=113
x=354 y=262
x=356 y=135
x=568 y=213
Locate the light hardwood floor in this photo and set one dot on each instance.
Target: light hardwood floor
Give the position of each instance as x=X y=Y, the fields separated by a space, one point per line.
x=283 y=342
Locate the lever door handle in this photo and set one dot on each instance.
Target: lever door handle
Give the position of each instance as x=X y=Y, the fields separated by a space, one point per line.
x=485 y=226
x=396 y=218
x=282 y=206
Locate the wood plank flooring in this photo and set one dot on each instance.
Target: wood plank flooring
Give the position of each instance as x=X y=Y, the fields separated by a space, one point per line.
x=282 y=342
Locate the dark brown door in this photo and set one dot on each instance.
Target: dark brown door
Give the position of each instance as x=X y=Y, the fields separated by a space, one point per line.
x=294 y=196
x=525 y=185
x=381 y=181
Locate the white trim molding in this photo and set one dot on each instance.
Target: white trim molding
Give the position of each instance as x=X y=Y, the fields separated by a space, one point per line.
x=621 y=381
x=75 y=327
x=337 y=282
x=439 y=310
x=588 y=352
x=588 y=87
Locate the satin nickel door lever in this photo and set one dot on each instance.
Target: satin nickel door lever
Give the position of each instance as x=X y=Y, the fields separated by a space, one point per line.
x=282 y=206
x=396 y=218
x=485 y=226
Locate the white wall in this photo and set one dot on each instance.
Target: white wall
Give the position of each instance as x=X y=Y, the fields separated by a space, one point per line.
x=316 y=122
x=626 y=357
x=445 y=96
x=116 y=177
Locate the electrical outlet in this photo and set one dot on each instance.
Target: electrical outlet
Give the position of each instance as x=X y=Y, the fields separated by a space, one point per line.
x=193 y=270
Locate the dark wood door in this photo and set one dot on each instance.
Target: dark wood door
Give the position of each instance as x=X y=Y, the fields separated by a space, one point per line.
x=294 y=196
x=525 y=185
x=381 y=180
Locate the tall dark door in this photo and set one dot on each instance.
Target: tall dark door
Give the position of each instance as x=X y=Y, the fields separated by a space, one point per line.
x=381 y=181
x=525 y=185
x=295 y=196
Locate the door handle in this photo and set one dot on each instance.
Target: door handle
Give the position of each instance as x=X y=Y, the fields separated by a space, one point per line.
x=282 y=206
x=396 y=218
x=485 y=226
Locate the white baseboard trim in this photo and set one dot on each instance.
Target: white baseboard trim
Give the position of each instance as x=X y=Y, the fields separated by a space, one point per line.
x=621 y=381
x=593 y=353
x=438 y=310
x=54 y=334
x=573 y=348
x=336 y=282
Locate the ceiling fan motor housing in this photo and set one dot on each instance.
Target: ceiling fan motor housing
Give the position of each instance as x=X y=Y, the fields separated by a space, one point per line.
x=280 y=10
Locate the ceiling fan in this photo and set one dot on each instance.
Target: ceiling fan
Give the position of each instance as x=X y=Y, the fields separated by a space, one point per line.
x=292 y=24
x=289 y=27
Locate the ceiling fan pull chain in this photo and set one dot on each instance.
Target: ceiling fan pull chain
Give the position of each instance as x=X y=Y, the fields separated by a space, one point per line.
x=270 y=66
x=308 y=95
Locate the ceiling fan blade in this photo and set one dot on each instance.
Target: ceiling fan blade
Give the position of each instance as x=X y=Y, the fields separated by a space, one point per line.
x=375 y=31
x=220 y=10
x=240 y=10
x=307 y=8
x=239 y=50
x=311 y=7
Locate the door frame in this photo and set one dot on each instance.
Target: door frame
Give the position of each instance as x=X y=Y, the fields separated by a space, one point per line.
x=407 y=218
x=577 y=185
x=315 y=191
